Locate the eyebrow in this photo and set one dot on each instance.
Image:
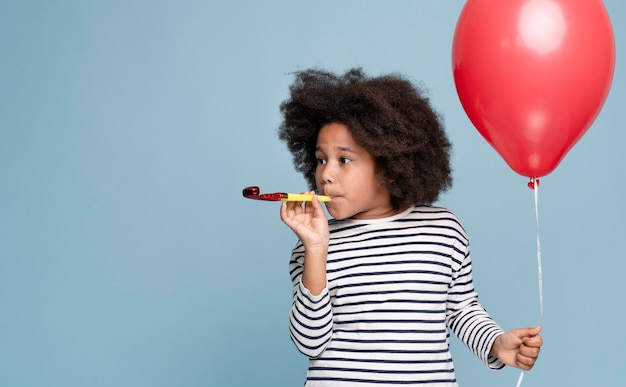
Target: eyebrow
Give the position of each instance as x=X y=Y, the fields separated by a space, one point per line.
x=339 y=148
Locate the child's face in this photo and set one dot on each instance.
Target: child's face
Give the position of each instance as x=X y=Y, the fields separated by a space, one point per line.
x=347 y=173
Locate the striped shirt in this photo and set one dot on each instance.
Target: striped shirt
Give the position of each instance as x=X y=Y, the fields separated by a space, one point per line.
x=395 y=286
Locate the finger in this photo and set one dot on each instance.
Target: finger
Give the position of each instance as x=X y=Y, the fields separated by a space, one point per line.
x=297 y=208
x=531 y=352
x=532 y=331
x=309 y=207
x=535 y=341
x=524 y=366
x=522 y=333
x=525 y=362
x=289 y=211
x=316 y=205
x=305 y=206
x=286 y=212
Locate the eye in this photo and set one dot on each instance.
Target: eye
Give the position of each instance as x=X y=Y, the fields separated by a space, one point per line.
x=344 y=160
x=320 y=161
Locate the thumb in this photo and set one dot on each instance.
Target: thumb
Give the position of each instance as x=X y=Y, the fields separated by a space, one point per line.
x=528 y=332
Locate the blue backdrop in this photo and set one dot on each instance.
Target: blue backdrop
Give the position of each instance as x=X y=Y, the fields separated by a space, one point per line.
x=128 y=256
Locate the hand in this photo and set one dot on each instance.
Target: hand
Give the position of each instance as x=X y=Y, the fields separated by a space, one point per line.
x=518 y=347
x=311 y=226
x=308 y=221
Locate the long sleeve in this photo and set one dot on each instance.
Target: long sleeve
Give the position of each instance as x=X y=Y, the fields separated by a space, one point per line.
x=468 y=319
x=396 y=288
x=311 y=318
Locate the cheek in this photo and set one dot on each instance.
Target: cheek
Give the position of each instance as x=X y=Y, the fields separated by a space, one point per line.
x=317 y=178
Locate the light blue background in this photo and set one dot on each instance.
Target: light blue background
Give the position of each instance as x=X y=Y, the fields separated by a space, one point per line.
x=128 y=256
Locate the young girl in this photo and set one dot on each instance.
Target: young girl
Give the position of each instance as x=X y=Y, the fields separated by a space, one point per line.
x=376 y=288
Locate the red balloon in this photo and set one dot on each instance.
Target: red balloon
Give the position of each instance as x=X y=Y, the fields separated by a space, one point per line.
x=532 y=75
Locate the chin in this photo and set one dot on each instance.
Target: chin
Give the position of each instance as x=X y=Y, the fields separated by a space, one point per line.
x=339 y=215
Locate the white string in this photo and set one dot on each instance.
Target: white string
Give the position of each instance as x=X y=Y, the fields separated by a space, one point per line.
x=535 y=186
x=519 y=381
x=539 y=271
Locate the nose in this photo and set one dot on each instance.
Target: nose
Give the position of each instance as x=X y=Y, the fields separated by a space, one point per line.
x=325 y=174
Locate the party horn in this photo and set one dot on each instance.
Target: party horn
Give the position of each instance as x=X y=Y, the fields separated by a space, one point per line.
x=254 y=193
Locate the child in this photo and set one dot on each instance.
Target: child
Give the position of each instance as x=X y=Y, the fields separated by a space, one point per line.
x=376 y=289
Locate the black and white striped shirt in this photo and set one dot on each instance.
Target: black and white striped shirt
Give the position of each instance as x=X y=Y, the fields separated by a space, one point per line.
x=395 y=285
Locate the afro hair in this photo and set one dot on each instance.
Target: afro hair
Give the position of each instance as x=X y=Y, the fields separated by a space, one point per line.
x=387 y=115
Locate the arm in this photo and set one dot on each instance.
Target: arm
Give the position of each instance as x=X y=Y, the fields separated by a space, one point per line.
x=477 y=330
x=311 y=226
x=470 y=322
x=310 y=320
x=466 y=317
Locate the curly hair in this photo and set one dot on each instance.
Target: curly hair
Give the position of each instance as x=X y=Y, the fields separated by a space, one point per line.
x=387 y=115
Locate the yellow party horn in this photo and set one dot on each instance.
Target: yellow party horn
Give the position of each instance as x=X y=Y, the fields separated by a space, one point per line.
x=254 y=193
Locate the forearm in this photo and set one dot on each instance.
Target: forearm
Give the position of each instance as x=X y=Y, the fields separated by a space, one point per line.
x=314 y=271
x=311 y=321
x=477 y=330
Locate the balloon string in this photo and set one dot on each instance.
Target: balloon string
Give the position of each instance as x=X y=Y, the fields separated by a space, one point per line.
x=539 y=270
x=534 y=184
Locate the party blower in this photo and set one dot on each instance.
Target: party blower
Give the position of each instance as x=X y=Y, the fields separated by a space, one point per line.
x=254 y=193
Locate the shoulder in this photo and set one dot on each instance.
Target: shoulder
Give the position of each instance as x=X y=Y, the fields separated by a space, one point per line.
x=416 y=216
x=432 y=213
x=436 y=217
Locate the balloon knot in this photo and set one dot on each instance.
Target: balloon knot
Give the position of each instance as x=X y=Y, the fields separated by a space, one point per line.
x=533 y=183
